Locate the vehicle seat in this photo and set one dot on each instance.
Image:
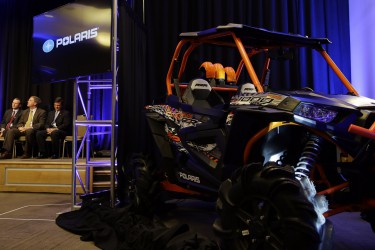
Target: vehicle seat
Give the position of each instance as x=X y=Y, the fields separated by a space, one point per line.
x=200 y=94
x=246 y=89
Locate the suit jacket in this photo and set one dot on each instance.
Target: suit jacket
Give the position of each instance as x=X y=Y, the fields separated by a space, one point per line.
x=39 y=118
x=8 y=115
x=63 y=120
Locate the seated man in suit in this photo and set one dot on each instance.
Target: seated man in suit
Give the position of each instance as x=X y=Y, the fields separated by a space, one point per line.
x=11 y=117
x=32 y=120
x=58 y=125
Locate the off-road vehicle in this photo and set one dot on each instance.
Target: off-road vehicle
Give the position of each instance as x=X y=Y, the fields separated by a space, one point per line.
x=277 y=160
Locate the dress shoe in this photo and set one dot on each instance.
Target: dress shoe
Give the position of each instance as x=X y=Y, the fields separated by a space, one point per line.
x=54 y=157
x=25 y=157
x=6 y=155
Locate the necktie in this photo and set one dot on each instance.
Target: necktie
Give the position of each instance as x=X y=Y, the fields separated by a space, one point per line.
x=54 y=120
x=11 y=120
x=30 y=119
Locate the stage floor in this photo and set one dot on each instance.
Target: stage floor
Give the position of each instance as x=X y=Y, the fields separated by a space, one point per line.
x=44 y=175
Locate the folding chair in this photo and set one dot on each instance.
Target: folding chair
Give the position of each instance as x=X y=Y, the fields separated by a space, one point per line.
x=81 y=131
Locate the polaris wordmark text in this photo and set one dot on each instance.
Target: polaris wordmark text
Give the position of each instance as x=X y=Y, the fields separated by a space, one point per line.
x=78 y=37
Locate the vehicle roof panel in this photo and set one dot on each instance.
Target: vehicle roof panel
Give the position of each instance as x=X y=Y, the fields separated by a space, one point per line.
x=254 y=37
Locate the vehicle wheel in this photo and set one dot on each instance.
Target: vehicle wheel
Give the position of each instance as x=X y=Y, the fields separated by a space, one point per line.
x=369 y=216
x=263 y=207
x=142 y=184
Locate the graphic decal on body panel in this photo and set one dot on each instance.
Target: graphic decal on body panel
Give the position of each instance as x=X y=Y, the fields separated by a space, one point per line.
x=180 y=118
x=174 y=138
x=264 y=99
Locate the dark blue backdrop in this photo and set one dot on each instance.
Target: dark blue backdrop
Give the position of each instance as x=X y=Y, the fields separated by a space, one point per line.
x=314 y=18
x=149 y=46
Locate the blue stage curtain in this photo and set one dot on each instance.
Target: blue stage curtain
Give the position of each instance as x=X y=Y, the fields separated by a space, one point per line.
x=313 y=18
x=148 y=48
x=16 y=25
x=142 y=73
x=134 y=90
x=101 y=108
x=14 y=33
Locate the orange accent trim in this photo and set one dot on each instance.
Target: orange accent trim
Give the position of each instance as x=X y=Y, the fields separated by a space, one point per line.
x=266 y=129
x=206 y=39
x=220 y=73
x=250 y=143
x=333 y=189
x=171 y=66
x=166 y=185
x=248 y=65
x=240 y=65
x=239 y=69
x=368 y=133
x=338 y=72
x=265 y=68
x=209 y=68
x=174 y=137
x=231 y=74
x=218 y=66
x=366 y=204
x=370 y=202
x=323 y=177
x=339 y=209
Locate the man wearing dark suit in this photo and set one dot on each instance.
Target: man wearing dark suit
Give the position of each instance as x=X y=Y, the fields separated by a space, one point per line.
x=58 y=125
x=32 y=120
x=11 y=117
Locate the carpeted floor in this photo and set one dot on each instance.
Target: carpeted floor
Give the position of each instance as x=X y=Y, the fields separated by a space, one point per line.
x=28 y=222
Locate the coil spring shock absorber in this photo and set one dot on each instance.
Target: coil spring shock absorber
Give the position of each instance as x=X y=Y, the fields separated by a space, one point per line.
x=305 y=163
x=308 y=157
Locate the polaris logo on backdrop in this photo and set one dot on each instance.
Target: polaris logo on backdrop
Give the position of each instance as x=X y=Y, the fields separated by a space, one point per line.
x=49 y=45
x=189 y=177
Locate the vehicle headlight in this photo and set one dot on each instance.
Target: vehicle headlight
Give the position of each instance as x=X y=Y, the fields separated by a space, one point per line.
x=315 y=113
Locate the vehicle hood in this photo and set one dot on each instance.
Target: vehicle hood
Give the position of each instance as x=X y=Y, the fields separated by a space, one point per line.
x=343 y=101
x=292 y=98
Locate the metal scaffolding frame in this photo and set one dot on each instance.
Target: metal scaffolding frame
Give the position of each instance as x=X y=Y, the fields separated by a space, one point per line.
x=89 y=123
x=90 y=86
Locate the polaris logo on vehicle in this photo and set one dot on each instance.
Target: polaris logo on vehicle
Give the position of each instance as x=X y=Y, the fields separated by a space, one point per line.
x=49 y=45
x=189 y=177
x=200 y=85
x=248 y=88
x=258 y=99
